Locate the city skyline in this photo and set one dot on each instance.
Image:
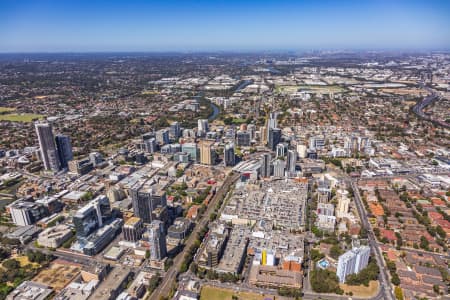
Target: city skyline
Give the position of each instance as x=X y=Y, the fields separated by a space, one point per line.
x=158 y=26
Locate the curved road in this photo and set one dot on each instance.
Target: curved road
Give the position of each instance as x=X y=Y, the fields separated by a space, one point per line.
x=418 y=108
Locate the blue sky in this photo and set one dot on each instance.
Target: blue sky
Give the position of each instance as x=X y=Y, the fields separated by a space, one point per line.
x=169 y=25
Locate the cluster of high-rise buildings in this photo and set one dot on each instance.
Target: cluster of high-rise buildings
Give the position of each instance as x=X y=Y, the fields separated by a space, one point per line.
x=55 y=152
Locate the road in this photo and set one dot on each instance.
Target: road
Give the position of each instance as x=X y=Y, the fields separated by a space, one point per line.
x=418 y=108
x=163 y=289
x=385 y=287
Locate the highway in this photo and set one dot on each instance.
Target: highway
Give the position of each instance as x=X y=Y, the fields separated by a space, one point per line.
x=418 y=108
x=163 y=289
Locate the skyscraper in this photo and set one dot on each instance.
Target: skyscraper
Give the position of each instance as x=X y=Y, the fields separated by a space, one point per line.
x=202 y=127
x=92 y=216
x=158 y=247
x=352 y=262
x=207 y=152
x=243 y=138
x=291 y=160
x=133 y=229
x=280 y=149
x=274 y=138
x=174 y=130
x=49 y=153
x=64 y=148
x=145 y=200
x=228 y=155
x=265 y=165
x=278 y=168
x=192 y=150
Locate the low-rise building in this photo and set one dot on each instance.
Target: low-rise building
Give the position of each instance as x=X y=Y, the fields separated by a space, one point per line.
x=54 y=237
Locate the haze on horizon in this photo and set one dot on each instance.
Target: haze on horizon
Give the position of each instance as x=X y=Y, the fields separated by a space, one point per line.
x=83 y=26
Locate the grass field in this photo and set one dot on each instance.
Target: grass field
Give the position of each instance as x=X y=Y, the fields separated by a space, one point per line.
x=23 y=260
x=20 y=117
x=6 y=109
x=212 y=293
x=361 y=290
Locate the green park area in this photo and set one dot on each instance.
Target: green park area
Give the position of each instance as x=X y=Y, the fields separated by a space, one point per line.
x=9 y=114
x=209 y=292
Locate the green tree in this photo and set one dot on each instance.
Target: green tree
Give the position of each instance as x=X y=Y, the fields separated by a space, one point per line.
x=424 y=244
x=395 y=279
x=398 y=293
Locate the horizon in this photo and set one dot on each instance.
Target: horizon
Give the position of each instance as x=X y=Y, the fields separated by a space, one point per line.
x=223 y=26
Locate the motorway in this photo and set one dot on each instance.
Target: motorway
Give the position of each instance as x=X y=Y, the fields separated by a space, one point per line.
x=418 y=108
x=164 y=288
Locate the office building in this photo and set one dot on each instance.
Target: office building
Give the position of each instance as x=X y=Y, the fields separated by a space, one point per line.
x=352 y=262
x=158 y=248
x=31 y=290
x=278 y=168
x=263 y=133
x=25 y=213
x=148 y=145
x=272 y=122
x=95 y=158
x=81 y=166
x=291 y=161
x=274 y=138
x=49 y=153
x=98 y=240
x=92 y=216
x=133 y=230
x=251 y=129
x=64 y=147
x=146 y=198
x=192 y=150
x=162 y=136
x=242 y=138
x=54 y=237
x=175 y=130
x=280 y=150
x=265 y=166
x=207 y=154
x=343 y=203
x=180 y=228
x=317 y=143
x=202 y=127
x=302 y=151
x=229 y=157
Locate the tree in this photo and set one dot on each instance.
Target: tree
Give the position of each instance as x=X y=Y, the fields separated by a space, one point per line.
x=335 y=251
x=436 y=288
x=11 y=264
x=154 y=282
x=395 y=279
x=424 y=244
x=398 y=293
x=316 y=255
x=325 y=281
x=441 y=232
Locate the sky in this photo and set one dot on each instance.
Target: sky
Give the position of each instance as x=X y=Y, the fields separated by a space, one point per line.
x=185 y=25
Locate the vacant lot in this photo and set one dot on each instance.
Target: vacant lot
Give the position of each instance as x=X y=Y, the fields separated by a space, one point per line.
x=361 y=290
x=209 y=293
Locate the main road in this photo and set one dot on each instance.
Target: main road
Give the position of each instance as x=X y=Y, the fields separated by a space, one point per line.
x=164 y=288
x=384 y=277
x=418 y=108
